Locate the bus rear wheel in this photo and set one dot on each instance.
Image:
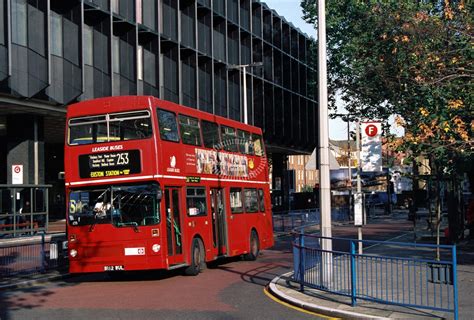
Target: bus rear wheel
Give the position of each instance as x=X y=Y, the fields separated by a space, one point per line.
x=197 y=258
x=254 y=248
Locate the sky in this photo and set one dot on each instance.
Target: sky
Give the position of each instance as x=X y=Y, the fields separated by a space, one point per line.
x=291 y=10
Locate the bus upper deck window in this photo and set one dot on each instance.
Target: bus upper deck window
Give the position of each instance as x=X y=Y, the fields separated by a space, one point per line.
x=87 y=130
x=257 y=145
x=168 y=126
x=130 y=125
x=244 y=142
x=210 y=134
x=190 y=131
x=228 y=139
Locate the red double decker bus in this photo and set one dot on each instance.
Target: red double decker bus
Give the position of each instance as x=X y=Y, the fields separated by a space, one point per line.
x=154 y=185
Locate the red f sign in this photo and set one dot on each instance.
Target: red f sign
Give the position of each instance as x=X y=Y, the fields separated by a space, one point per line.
x=371 y=130
x=371 y=147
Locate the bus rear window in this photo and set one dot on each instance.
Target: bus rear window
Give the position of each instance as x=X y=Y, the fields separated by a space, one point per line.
x=110 y=127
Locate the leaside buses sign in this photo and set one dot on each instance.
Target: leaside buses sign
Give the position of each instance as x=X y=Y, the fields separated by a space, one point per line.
x=111 y=164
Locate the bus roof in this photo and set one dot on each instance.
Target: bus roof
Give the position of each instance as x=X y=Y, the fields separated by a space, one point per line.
x=128 y=103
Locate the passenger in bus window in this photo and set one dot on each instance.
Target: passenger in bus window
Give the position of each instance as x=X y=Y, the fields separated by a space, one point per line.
x=101 y=208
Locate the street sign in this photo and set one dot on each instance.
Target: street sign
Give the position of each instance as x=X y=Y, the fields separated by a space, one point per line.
x=371 y=147
x=17 y=174
x=371 y=130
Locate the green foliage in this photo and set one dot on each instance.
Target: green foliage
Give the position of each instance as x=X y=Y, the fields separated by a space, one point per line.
x=408 y=58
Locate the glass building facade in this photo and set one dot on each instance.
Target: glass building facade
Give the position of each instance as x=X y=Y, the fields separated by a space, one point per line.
x=55 y=52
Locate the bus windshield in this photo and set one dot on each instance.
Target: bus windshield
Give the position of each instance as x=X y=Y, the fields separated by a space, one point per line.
x=119 y=205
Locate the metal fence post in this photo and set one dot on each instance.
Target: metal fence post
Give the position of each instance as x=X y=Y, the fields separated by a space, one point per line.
x=301 y=266
x=43 y=254
x=455 y=283
x=353 y=276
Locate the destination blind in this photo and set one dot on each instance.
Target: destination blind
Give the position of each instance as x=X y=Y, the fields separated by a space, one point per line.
x=112 y=164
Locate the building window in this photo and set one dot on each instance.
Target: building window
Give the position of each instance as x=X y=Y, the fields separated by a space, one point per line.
x=140 y=63
x=56 y=34
x=114 y=6
x=139 y=10
x=116 y=54
x=196 y=201
x=19 y=23
x=88 y=44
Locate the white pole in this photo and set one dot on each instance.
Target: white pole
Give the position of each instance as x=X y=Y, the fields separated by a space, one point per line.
x=325 y=187
x=245 y=94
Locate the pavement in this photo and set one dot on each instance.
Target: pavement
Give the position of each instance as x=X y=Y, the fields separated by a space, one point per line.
x=332 y=305
x=284 y=288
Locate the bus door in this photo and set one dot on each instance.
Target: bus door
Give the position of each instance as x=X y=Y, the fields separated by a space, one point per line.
x=174 y=231
x=219 y=228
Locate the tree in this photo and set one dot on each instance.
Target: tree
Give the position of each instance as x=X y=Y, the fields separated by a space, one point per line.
x=413 y=59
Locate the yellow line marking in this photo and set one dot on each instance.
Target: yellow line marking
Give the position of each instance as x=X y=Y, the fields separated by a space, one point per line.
x=268 y=294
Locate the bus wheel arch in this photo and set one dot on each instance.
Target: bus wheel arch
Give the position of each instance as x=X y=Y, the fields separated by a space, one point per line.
x=197 y=260
x=254 y=246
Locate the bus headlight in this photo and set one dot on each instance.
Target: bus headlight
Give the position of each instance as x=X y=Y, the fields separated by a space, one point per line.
x=156 y=248
x=73 y=253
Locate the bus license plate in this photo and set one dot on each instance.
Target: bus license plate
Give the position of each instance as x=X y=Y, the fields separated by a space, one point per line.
x=114 y=268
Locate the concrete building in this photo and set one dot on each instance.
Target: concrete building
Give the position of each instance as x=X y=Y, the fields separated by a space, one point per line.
x=54 y=52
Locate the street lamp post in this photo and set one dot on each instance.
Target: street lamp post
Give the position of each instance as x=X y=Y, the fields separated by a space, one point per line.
x=243 y=67
x=325 y=187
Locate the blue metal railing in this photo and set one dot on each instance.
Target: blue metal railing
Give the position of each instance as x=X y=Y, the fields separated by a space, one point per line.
x=394 y=273
x=289 y=220
x=31 y=255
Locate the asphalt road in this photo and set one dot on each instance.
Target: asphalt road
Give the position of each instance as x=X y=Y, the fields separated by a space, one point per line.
x=232 y=289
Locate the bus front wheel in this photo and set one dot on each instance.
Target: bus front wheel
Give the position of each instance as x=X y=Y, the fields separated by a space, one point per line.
x=197 y=258
x=254 y=248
